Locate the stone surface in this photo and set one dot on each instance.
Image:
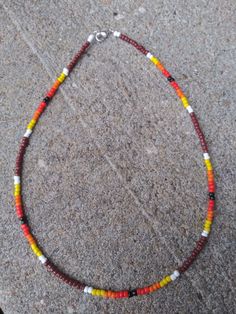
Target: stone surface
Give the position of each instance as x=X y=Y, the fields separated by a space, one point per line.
x=114 y=181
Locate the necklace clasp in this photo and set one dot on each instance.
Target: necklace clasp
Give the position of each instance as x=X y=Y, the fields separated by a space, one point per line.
x=102 y=35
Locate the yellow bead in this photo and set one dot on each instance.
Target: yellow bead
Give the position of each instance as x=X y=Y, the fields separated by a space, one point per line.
x=17 y=188
x=34 y=246
x=35 y=249
x=16 y=193
x=162 y=283
x=154 y=60
x=206 y=228
x=31 y=124
x=93 y=292
x=102 y=293
x=185 y=102
x=38 y=252
x=61 y=78
x=168 y=279
x=207 y=224
x=208 y=164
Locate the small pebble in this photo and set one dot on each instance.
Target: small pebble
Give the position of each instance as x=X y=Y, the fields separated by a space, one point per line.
x=119 y=17
x=142 y=10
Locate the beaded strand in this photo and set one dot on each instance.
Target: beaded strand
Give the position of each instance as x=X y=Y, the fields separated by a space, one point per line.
x=25 y=142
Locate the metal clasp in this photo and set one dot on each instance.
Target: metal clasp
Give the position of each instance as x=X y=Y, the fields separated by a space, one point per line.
x=102 y=35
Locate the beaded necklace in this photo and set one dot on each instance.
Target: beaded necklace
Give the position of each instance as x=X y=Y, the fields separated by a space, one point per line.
x=100 y=36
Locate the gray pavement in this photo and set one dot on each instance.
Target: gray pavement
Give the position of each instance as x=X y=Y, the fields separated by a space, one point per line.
x=114 y=180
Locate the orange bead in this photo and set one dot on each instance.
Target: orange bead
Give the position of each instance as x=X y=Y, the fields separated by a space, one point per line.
x=109 y=293
x=152 y=288
x=106 y=294
x=210 y=174
x=18 y=200
x=210 y=214
x=31 y=239
x=157 y=285
x=210 y=218
x=36 y=115
x=56 y=84
x=179 y=93
x=160 y=66
x=113 y=294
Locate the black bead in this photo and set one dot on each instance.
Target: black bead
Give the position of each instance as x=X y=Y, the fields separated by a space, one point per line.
x=132 y=293
x=23 y=220
x=46 y=99
x=212 y=196
x=170 y=79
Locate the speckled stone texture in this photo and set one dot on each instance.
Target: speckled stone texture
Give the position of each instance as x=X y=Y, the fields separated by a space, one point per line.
x=114 y=180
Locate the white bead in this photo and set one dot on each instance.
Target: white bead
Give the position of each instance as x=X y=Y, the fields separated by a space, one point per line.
x=204 y=233
x=116 y=34
x=206 y=156
x=90 y=38
x=42 y=259
x=190 y=109
x=65 y=71
x=86 y=289
x=27 y=133
x=16 y=179
x=149 y=55
x=176 y=273
x=90 y=289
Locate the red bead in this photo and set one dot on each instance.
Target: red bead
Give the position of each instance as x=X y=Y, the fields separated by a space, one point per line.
x=53 y=89
x=25 y=229
x=138 y=291
x=19 y=214
x=165 y=73
x=174 y=85
x=50 y=94
x=211 y=204
x=120 y=294
x=126 y=293
x=42 y=106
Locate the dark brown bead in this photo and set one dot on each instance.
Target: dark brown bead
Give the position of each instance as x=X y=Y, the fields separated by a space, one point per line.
x=59 y=274
x=194 y=254
x=182 y=269
x=78 y=56
x=19 y=159
x=134 y=43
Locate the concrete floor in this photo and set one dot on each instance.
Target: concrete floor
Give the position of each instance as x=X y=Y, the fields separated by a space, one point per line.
x=114 y=181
